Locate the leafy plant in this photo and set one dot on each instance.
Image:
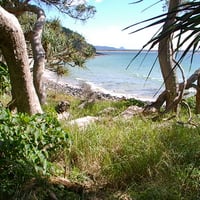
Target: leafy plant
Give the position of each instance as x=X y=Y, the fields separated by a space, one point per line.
x=4 y=78
x=29 y=146
x=70 y=48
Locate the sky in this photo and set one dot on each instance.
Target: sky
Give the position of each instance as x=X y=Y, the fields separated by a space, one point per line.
x=105 y=28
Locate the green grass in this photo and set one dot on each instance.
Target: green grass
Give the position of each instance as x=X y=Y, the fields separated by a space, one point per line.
x=136 y=159
x=140 y=158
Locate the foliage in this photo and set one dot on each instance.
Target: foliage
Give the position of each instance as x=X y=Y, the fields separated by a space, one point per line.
x=4 y=78
x=29 y=146
x=72 y=8
x=141 y=158
x=77 y=10
x=185 y=28
x=70 y=48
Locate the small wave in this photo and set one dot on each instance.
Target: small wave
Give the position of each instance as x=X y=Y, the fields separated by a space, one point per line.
x=80 y=79
x=145 y=77
x=121 y=92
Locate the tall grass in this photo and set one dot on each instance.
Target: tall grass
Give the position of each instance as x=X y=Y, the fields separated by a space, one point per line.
x=122 y=159
x=145 y=159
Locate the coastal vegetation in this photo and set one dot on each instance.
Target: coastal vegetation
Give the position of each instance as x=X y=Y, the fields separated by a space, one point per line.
x=113 y=158
x=13 y=47
x=142 y=156
x=179 y=31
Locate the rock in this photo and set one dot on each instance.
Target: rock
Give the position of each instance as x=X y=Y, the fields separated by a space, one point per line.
x=63 y=116
x=107 y=111
x=149 y=110
x=130 y=112
x=62 y=107
x=84 y=121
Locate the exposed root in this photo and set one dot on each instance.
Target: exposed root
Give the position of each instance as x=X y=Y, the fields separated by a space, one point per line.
x=184 y=103
x=186 y=84
x=12 y=105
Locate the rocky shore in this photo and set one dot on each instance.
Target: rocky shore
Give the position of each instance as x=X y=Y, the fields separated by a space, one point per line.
x=88 y=96
x=82 y=91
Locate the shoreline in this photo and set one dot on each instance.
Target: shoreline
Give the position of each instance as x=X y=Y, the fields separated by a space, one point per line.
x=52 y=83
x=77 y=91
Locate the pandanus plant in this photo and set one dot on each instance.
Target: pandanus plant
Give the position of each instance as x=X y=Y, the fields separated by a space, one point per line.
x=184 y=29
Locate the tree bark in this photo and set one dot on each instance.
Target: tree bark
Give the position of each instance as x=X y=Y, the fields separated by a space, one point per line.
x=13 y=46
x=165 y=54
x=198 y=96
x=189 y=84
x=36 y=44
x=38 y=53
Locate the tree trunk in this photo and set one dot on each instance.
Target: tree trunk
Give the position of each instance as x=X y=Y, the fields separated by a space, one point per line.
x=165 y=54
x=198 y=96
x=38 y=53
x=36 y=44
x=13 y=46
x=189 y=84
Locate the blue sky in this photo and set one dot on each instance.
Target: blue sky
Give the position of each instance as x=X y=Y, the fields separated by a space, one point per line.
x=105 y=28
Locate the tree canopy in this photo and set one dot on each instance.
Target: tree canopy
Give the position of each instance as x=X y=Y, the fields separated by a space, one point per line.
x=71 y=48
x=75 y=9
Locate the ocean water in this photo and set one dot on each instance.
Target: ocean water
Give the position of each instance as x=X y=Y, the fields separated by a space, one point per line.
x=108 y=73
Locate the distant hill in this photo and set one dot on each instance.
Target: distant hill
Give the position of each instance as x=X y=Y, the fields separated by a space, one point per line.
x=107 y=48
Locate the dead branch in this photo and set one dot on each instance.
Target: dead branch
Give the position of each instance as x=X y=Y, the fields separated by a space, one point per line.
x=73 y=186
x=69 y=185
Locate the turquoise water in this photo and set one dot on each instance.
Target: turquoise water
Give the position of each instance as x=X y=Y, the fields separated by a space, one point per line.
x=108 y=73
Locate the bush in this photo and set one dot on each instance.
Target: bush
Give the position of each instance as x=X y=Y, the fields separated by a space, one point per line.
x=28 y=147
x=4 y=78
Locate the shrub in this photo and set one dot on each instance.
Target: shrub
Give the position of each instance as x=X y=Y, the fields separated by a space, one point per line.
x=4 y=78
x=28 y=147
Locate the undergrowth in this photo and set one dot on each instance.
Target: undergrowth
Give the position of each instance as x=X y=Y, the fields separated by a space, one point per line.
x=139 y=158
x=28 y=148
x=119 y=159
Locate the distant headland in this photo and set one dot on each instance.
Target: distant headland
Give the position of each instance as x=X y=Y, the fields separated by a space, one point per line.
x=108 y=48
x=101 y=50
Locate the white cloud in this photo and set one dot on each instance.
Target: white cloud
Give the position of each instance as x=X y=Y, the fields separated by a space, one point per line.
x=96 y=1
x=77 y=2
x=113 y=36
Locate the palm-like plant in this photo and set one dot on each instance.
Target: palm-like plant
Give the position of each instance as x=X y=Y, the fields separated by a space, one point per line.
x=187 y=22
x=186 y=30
